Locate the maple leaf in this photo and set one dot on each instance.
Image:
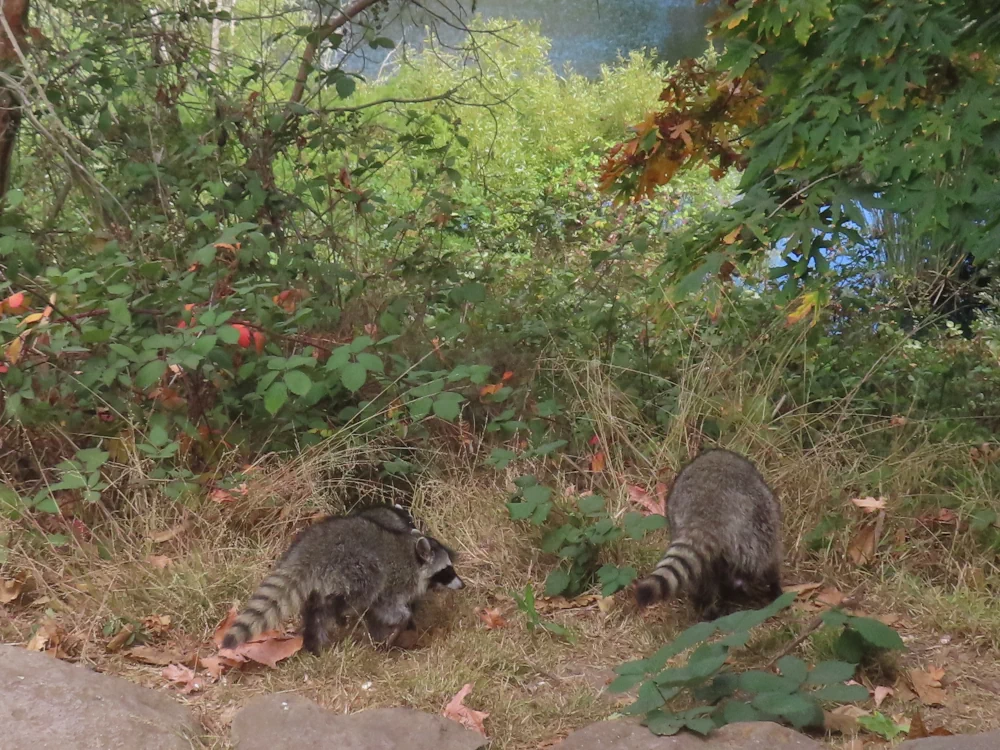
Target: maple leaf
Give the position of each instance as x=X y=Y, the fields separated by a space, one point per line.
x=184 y=677
x=456 y=710
x=268 y=648
x=869 y=504
x=492 y=618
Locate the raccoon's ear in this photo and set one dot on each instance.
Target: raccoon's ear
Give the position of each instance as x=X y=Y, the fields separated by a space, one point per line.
x=424 y=551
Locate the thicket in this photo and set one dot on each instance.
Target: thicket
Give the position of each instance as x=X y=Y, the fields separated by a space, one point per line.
x=203 y=263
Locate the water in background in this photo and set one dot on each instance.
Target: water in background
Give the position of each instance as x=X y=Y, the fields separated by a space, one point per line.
x=584 y=33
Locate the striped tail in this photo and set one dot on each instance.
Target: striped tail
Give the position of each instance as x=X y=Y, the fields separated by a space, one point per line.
x=277 y=598
x=682 y=565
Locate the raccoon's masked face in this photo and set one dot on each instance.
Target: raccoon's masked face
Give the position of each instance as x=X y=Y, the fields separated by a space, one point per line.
x=437 y=566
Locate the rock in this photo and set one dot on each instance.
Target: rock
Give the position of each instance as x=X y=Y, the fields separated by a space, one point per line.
x=630 y=735
x=287 y=721
x=988 y=741
x=47 y=704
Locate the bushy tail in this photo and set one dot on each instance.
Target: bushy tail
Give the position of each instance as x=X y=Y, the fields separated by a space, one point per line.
x=681 y=566
x=277 y=598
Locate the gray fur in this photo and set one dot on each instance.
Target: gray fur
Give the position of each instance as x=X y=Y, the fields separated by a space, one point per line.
x=725 y=549
x=375 y=568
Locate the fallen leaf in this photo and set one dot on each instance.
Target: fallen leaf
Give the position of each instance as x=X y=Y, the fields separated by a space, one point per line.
x=219 y=495
x=881 y=693
x=268 y=648
x=606 y=603
x=643 y=499
x=597 y=462
x=222 y=627
x=843 y=719
x=47 y=633
x=10 y=590
x=898 y=421
x=489 y=390
x=546 y=604
x=508 y=374
x=862 y=548
x=492 y=618
x=214 y=666
x=944 y=517
x=116 y=643
x=155 y=656
x=890 y=619
x=159 y=561
x=173 y=532
x=156 y=624
x=869 y=504
x=184 y=677
x=456 y=710
x=830 y=596
x=927 y=685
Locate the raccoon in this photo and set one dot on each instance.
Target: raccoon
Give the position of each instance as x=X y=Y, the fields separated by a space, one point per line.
x=725 y=550
x=348 y=566
x=393 y=518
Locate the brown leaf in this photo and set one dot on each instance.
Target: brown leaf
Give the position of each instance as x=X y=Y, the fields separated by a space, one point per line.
x=173 y=532
x=830 y=596
x=862 y=548
x=456 y=710
x=10 y=590
x=156 y=624
x=268 y=648
x=47 y=637
x=802 y=588
x=184 y=677
x=597 y=462
x=214 y=666
x=881 y=693
x=492 y=618
x=843 y=719
x=222 y=627
x=928 y=685
x=943 y=517
x=159 y=561
x=155 y=656
x=546 y=604
x=121 y=637
x=869 y=504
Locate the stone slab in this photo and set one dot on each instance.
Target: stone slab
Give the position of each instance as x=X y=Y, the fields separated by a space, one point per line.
x=987 y=741
x=630 y=735
x=48 y=704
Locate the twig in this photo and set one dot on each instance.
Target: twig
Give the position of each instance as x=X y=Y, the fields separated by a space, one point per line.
x=809 y=629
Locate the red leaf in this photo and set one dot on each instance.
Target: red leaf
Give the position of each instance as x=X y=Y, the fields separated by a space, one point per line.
x=222 y=627
x=268 y=648
x=650 y=506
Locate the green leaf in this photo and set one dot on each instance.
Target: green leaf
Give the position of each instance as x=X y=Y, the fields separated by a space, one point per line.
x=736 y=711
x=693 y=635
x=828 y=672
x=92 y=458
x=663 y=724
x=877 y=634
x=881 y=724
x=547 y=448
x=119 y=313
x=500 y=457
x=591 y=504
x=637 y=525
x=556 y=582
x=757 y=681
x=536 y=494
x=842 y=693
x=339 y=357
x=702 y=726
x=47 y=505
x=447 y=405
x=797 y=709
x=228 y=334
x=371 y=362
x=648 y=698
x=793 y=668
x=150 y=373
x=298 y=382
x=345 y=86
x=353 y=376
x=275 y=398
x=625 y=682
x=850 y=646
x=360 y=344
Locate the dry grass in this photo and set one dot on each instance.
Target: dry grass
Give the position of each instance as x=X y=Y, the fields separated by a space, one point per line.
x=534 y=685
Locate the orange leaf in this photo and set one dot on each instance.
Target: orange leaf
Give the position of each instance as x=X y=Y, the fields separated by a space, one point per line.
x=507 y=376
x=489 y=390
x=597 y=462
x=244 y=340
x=456 y=710
x=15 y=303
x=13 y=350
x=492 y=618
x=268 y=648
x=730 y=238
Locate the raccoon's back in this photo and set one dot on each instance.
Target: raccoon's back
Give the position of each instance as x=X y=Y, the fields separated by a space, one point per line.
x=722 y=499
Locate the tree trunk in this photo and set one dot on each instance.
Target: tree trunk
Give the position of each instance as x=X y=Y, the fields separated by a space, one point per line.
x=12 y=35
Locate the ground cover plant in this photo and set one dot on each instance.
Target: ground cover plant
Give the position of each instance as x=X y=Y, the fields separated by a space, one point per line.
x=243 y=285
